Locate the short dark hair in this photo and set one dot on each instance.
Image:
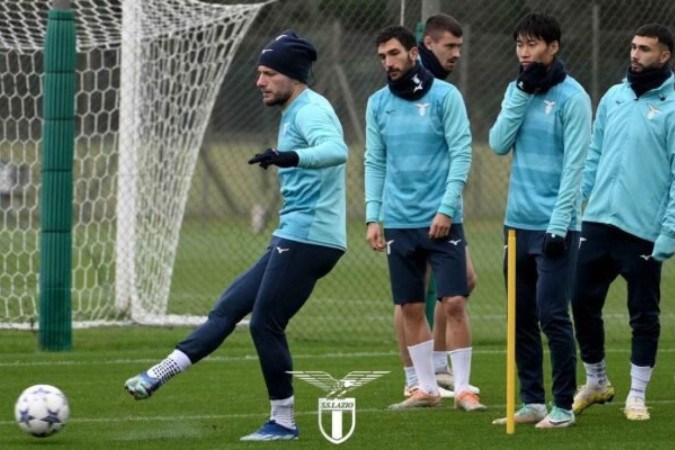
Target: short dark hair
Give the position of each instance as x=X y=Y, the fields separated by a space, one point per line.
x=402 y=34
x=439 y=23
x=540 y=26
x=658 y=31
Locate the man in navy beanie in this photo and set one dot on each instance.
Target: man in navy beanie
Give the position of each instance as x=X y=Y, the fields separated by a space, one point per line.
x=310 y=239
x=289 y=54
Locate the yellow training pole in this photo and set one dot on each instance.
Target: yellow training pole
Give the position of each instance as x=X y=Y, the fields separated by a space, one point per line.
x=511 y=334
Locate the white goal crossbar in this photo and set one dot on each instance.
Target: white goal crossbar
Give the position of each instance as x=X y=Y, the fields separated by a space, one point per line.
x=148 y=75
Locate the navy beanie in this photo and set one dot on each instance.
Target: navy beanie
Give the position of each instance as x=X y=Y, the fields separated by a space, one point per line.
x=289 y=54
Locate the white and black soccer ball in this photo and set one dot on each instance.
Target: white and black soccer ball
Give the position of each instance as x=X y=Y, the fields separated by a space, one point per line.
x=41 y=410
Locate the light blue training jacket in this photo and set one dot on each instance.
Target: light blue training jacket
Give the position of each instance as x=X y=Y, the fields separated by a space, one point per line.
x=418 y=155
x=629 y=173
x=549 y=134
x=314 y=192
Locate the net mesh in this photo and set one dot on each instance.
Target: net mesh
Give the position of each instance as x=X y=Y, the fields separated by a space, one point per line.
x=231 y=207
x=148 y=74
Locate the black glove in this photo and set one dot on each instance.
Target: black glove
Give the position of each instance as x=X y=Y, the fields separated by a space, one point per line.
x=531 y=78
x=273 y=156
x=554 y=246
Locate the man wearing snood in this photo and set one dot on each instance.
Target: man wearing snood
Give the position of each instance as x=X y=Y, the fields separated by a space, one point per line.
x=628 y=225
x=440 y=49
x=418 y=155
x=545 y=121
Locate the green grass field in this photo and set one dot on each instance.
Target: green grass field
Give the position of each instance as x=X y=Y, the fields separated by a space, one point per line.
x=355 y=297
x=345 y=326
x=223 y=398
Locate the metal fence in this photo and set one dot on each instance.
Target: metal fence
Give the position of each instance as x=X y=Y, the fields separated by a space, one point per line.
x=595 y=47
x=232 y=207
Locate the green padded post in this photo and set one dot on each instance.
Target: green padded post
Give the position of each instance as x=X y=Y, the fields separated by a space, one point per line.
x=56 y=201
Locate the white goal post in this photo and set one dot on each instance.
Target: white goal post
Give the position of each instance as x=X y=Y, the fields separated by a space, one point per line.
x=147 y=78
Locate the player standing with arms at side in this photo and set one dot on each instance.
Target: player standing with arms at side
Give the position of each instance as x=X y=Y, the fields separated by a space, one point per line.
x=418 y=155
x=309 y=241
x=546 y=122
x=629 y=222
x=440 y=50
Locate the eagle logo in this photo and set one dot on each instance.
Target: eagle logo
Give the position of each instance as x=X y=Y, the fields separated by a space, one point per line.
x=549 y=106
x=653 y=110
x=337 y=388
x=422 y=108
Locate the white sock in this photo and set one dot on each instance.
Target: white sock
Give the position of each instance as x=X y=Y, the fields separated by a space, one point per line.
x=596 y=374
x=422 y=358
x=283 y=412
x=410 y=376
x=539 y=407
x=440 y=361
x=173 y=364
x=461 y=368
x=640 y=377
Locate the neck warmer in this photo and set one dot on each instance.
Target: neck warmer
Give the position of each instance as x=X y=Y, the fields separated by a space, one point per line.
x=412 y=85
x=430 y=62
x=647 y=80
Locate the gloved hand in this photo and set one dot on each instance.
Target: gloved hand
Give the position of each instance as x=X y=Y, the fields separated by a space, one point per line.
x=272 y=156
x=531 y=78
x=664 y=247
x=554 y=246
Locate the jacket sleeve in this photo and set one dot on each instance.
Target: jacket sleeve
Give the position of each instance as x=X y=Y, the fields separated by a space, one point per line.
x=594 y=151
x=323 y=133
x=577 y=119
x=458 y=138
x=667 y=233
x=503 y=132
x=375 y=164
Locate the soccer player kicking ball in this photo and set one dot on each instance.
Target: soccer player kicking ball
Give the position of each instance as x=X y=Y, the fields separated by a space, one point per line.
x=311 y=237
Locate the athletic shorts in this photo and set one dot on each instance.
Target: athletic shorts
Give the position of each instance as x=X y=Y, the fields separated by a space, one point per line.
x=409 y=250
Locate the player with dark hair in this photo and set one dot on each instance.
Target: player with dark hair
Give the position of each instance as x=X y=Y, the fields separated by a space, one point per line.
x=629 y=223
x=545 y=121
x=441 y=45
x=418 y=155
x=440 y=49
x=311 y=237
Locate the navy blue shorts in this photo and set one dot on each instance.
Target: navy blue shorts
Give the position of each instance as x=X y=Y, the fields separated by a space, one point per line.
x=409 y=250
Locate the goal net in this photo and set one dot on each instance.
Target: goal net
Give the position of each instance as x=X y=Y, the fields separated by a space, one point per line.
x=148 y=75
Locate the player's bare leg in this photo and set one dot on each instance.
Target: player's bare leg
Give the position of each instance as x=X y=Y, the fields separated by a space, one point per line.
x=444 y=374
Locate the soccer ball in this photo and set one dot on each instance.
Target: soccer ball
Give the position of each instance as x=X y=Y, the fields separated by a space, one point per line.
x=41 y=410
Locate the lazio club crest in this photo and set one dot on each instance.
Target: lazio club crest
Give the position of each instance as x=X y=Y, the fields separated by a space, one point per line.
x=335 y=412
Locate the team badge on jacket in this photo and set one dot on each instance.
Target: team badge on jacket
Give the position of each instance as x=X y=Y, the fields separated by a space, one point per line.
x=422 y=108
x=653 y=110
x=549 y=106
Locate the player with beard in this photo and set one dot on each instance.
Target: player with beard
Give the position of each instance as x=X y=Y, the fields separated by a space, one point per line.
x=629 y=223
x=440 y=50
x=418 y=155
